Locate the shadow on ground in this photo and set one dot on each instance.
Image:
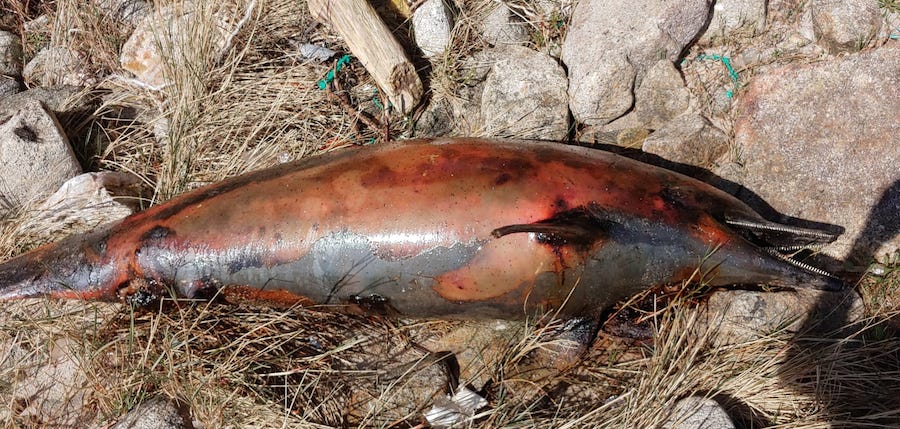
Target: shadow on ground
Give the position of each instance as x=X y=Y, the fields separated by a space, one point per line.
x=860 y=381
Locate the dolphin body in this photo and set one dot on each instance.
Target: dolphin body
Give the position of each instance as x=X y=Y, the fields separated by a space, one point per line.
x=445 y=228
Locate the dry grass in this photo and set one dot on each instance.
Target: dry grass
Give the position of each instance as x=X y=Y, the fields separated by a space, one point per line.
x=258 y=367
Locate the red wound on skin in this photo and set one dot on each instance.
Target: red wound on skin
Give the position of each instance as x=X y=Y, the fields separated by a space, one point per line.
x=269 y=298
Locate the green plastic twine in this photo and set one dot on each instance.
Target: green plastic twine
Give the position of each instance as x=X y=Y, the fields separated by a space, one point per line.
x=895 y=36
x=329 y=77
x=727 y=61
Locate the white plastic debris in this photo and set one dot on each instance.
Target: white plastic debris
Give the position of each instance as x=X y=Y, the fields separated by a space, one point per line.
x=316 y=53
x=455 y=409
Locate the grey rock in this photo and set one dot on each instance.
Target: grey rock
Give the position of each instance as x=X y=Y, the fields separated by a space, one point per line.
x=688 y=139
x=502 y=27
x=81 y=204
x=9 y=86
x=435 y=121
x=35 y=156
x=39 y=24
x=603 y=93
x=10 y=54
x=819 y=142
x=845 y=25
x=610 y=44
x=127 y=11
x=697 y=412
x=56 y=99
x=157 y=413
x=738 y=316
x=432 y=23
x=733 y=16
x=661 y=96
x=56 y=65
x=525 y=96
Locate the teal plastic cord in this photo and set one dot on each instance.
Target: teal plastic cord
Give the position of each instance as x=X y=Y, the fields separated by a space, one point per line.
x=329 y=77
x=731 y=71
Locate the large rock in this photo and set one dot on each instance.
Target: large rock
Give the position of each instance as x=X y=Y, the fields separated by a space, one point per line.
x=610 y=44
x=57 y=65
x=35 y=156
x=845 y=25
x=127 y=11
x=734 y=16
x=55 y=99
x=502 y=27
x=81 y=204
x=10 y=54
x=819 y=142
x=432 y=23
x=525 y=96
x=165 y=39
x=661 y=96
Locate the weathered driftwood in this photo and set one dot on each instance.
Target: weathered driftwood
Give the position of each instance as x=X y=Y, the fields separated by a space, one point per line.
x=373 y=44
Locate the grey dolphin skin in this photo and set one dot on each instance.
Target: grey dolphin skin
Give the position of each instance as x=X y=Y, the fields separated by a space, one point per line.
x=446 y=228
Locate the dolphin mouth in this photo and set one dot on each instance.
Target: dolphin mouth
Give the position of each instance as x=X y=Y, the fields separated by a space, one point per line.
x=790 y=243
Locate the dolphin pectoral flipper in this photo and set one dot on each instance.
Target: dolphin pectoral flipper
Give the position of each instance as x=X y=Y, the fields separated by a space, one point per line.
x=579 y=227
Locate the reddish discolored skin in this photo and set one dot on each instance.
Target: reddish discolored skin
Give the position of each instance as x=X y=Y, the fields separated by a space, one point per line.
x=442 y=228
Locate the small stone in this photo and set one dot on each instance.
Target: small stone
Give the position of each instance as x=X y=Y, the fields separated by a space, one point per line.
x=805 y=27
x=432 y=23
x=845 y=25
x=10 y=54
x=167 y=37
x=697 y=412
x=57 y=66
x=157 y=413
x=502 y=27
x=688 y=139
x=37 y=24
x=35 y=156
x=525 y=96
x=733 y=16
